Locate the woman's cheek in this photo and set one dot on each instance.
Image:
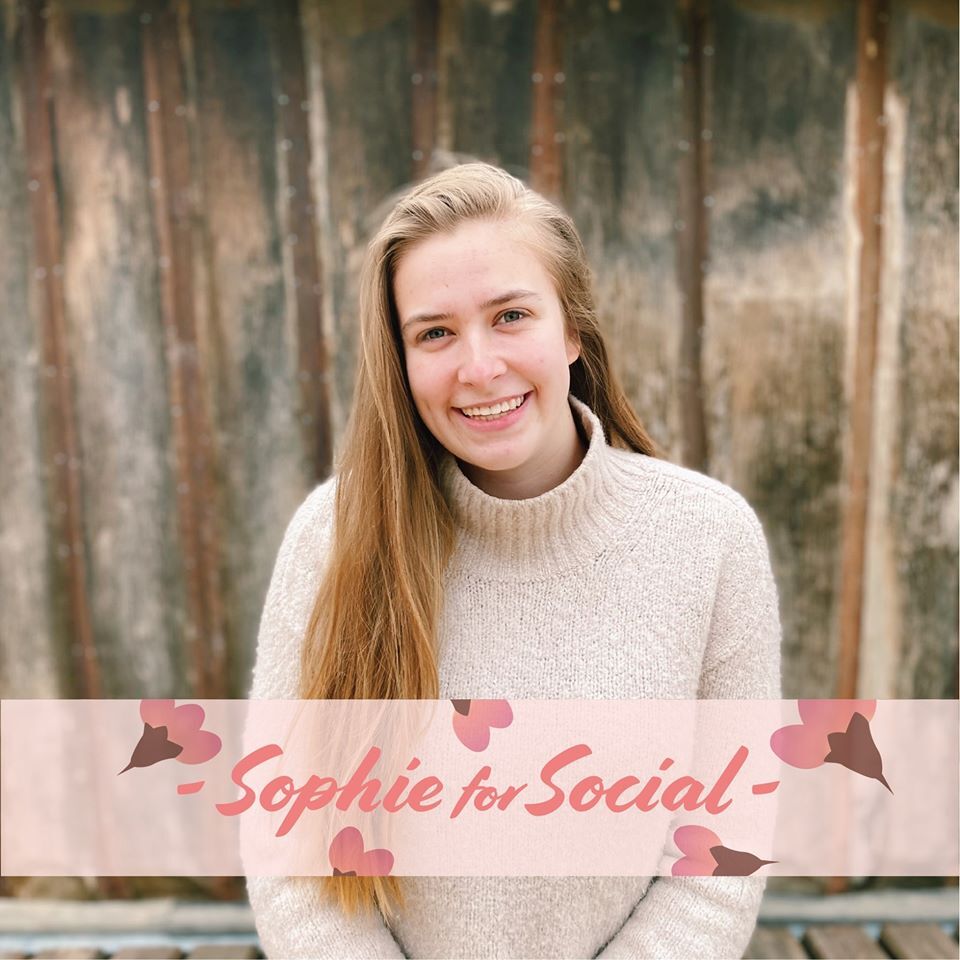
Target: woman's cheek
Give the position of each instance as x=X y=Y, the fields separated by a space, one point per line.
x=418 y=373
x=540 y=363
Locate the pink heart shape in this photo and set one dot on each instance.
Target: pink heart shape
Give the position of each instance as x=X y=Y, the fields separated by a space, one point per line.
x=200 y=747
x=347 y=855
x=473 y=730
x=800 y=746
x=834 y=715
x=695 y=842
x=156 y=712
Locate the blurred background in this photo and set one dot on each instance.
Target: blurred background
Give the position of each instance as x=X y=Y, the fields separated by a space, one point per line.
x=767 y=190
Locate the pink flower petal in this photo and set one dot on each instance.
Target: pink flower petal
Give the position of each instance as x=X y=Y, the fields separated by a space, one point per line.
x=185 y=722
x=690 y=867
x=801 y=746
x=495 y=713
x=695 y=842
x=831 y=716
x=472 y=732
x=156 y=712
x=347 y=855
x=376 y=863
x=346 y=849
x=200 y=747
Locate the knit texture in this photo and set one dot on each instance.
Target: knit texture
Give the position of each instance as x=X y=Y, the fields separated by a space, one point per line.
x=634 y=578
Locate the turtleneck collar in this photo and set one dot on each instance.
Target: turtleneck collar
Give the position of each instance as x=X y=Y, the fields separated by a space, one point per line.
x=544 y=535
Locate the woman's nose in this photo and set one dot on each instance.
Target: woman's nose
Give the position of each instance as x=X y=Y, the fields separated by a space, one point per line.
x=480 y=362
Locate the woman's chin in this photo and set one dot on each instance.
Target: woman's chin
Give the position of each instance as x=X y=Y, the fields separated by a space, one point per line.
x=487 y=463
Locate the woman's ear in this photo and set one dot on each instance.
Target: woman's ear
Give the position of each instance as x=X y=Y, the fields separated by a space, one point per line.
x=573 y=349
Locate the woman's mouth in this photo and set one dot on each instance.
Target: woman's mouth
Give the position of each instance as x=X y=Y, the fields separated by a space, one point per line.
x=502 y=413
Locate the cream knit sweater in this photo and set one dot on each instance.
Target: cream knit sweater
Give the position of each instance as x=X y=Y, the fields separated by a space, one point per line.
x=634 y=578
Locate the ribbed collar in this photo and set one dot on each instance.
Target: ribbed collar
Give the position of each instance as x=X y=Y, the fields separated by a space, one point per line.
x=561 y=529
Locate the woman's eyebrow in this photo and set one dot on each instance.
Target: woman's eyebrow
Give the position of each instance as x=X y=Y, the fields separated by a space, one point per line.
x=492 y=302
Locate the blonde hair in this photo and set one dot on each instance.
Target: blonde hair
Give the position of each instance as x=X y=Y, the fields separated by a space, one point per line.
x=371 y=634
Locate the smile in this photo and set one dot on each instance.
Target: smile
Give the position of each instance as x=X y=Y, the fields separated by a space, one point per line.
x=494 y=411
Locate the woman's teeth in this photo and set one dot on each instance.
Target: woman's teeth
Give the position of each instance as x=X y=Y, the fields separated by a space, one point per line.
x=491 y=413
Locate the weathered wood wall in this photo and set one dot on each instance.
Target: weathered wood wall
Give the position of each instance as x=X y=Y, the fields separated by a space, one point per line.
x=768 y=192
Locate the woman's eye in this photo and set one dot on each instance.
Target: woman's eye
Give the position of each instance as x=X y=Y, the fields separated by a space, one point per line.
x=428 y=334
x=517 y=314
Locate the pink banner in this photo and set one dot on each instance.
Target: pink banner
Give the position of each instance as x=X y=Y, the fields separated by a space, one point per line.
x=479 y=787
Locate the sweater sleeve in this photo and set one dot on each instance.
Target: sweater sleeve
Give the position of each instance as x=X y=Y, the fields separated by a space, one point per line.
x=293 y=919
x=715 y=916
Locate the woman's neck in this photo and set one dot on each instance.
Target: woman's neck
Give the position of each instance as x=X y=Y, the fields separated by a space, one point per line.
x=533 y=479
x=511 y=539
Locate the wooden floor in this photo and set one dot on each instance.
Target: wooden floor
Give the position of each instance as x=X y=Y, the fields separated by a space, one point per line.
x=847 y=941
x=911 y=941
x=890 y=924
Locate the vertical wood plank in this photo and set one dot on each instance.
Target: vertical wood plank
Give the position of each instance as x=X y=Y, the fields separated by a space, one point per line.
x=918 y=594
x=621 y=109
x=173 y=212
x=448 y=59
x=64 y=445
x=359 y=57
x=116 y=348
x=872 y=20
x=546 y=156
x=302 y=268
x=775 y=293
x=426 y=19
x=692 y=243
x=248 y=321
x=488 y=50
x=28 y=586
x=880 y=654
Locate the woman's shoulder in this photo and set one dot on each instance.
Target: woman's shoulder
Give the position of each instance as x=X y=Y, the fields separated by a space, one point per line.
x=317 y=508
x=312 y=518
x=290 y=596
x=687 y=489
x=305 y=539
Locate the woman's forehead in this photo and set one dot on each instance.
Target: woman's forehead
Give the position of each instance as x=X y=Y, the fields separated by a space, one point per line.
x=478 y=260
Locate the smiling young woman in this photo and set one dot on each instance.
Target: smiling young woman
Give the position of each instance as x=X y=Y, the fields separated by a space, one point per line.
x=488 y=360
x=501 y=526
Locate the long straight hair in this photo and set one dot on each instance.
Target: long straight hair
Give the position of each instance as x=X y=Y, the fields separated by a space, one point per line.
x=372 y=631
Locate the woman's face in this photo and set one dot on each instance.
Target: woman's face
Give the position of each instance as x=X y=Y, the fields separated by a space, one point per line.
x=488 y=358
